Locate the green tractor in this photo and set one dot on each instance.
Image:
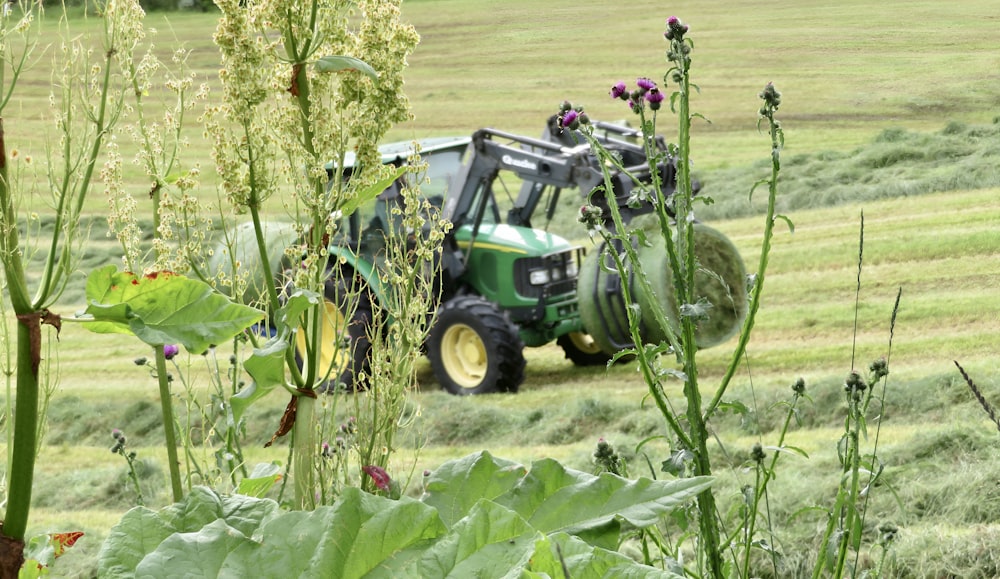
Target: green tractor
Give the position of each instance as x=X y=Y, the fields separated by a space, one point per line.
x=504 y=285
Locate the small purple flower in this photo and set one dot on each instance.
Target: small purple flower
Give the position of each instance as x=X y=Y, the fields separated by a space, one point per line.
x=568 y=118
x=675 y=29
x=170 y=350
x=654 y=97
x=379 y=476
x=645 y=84
x=619 y=91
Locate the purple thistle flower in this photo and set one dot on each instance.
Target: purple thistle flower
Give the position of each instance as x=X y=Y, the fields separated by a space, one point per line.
x=675 y=29
x=654 y=97
x=569 y=119
x=170 y=350
x=619 y=91
x=645 y=84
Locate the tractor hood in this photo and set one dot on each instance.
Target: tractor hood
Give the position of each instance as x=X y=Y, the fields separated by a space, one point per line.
x=518 y=241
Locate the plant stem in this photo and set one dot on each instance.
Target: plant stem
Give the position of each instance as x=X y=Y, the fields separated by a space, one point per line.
x=758 y=288
x=851 y=514
x=304 y=447
x=24 y=452
x=167 y=410
x=685 y=280
x=25 y=431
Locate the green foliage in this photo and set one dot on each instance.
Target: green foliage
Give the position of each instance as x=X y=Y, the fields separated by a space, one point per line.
x=164 y=308
x=479 y=514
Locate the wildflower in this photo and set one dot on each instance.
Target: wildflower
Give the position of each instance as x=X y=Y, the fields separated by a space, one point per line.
x=771 y=97
x=379 y=476
x=854 y=383
x=592 y=217
x=654 y=97
x=119 y=445
x=879 y=369
x=757 y=453
x=799 y=387
x=675 y=29
x=887 y=533
x=170 y=350
x=606 y=458
x=645 y=84
x=326 y=451
x=569 y=120
x=619 y=91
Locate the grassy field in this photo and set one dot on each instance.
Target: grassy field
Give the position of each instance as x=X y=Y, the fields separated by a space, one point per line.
x=848 y=72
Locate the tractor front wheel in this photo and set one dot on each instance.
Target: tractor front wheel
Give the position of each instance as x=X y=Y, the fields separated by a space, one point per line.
x=581 y=349
x=475 y=349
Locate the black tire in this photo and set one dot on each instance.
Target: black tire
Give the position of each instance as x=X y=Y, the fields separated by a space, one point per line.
x=474 y=348
x=581 y=349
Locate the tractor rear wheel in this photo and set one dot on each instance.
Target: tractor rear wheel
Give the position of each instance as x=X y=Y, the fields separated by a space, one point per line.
x=581 y=349
x=475 y=349
x=344 y=344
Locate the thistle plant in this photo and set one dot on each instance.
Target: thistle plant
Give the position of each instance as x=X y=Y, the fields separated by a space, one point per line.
x=675 y=215
x=120 y=448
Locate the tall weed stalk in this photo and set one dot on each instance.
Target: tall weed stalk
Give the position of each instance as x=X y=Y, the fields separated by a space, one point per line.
x=722 y=551
x=676 y=216
x=85 y=109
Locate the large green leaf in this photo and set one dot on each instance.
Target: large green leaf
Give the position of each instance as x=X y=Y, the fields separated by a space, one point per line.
x=347 y=540
x=200 y=553
x=560 y=554
x=363 y=535
x=164 y=308
x=491 y=538
x=555 y=498
x=142 y=531
x=459 y=484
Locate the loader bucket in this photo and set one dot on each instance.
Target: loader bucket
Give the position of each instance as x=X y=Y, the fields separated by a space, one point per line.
x=720 y=279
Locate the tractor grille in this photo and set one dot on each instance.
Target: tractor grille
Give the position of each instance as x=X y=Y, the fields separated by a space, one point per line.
x=550 y=275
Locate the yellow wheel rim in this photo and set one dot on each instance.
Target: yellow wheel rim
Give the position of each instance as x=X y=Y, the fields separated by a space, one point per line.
x=334 y=345
x=463 y=355
x=584 y=342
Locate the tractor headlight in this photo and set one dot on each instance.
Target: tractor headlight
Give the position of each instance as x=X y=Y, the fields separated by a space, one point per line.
x=572 y=269
x=553 y=270
x=539 y=277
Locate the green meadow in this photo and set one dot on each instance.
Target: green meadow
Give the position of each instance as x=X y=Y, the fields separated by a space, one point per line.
x=890 y=113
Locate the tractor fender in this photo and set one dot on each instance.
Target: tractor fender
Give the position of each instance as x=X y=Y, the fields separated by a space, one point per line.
x=362 y=267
